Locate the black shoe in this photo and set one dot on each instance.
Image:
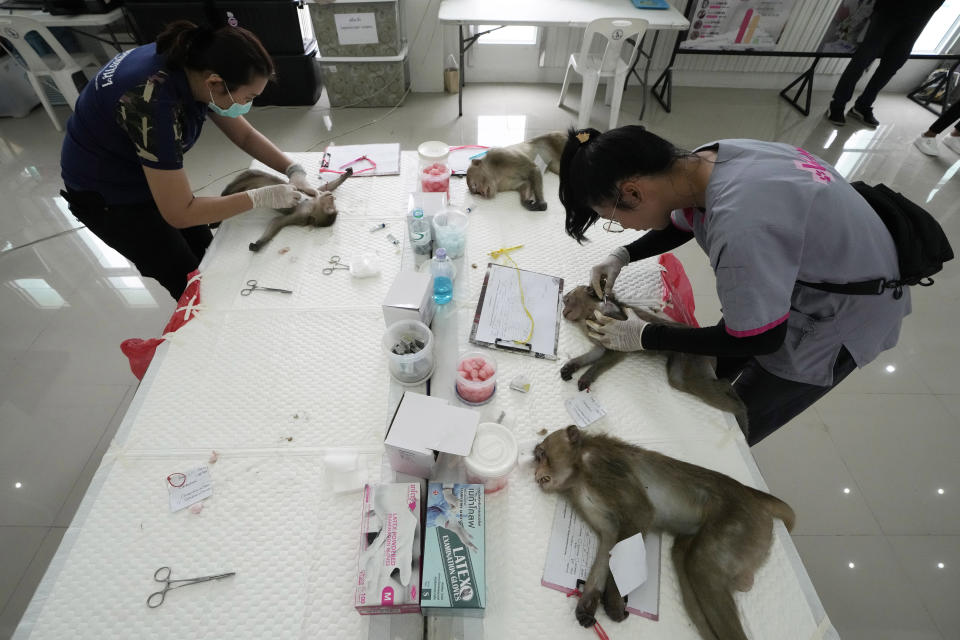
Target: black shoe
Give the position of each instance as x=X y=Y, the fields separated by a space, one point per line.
x=864 y=115
x=835 y=116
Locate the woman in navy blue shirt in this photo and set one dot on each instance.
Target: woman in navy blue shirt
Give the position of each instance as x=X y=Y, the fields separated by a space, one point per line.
x=122 y=157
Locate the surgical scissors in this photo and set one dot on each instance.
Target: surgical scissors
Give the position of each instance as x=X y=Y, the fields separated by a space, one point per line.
x=335 y=264
x=162 y=574
x=253 y=286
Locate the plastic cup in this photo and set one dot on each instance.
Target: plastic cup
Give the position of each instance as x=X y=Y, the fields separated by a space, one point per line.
x=493 y=457
x=435 y=178
x=450 y=232
x=433 y=151
x=476 y=386
x=409 y=368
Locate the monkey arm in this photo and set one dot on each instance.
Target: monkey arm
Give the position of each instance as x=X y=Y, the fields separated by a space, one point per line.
x=712 y=341
x=658 y=241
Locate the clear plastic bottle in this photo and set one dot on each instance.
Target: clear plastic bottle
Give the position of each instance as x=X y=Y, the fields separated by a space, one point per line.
x=443 y=273
x=420 y=235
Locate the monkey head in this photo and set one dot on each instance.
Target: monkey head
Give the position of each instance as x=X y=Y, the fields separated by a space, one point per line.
x=580 y=302
x=557 y=459
x=479 y=181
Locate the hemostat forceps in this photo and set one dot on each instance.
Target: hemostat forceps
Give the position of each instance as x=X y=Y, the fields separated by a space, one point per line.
x=253 y=286
x=334 y=265
x=162 y=574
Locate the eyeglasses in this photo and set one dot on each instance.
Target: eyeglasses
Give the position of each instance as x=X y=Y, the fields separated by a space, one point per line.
x=613 y=225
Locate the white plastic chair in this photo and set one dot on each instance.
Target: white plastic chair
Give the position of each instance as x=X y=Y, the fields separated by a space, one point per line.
x=610 y=64
x=64 y=69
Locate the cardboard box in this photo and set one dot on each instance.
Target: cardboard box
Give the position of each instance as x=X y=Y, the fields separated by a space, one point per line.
x=388 y=566
x=454 y=551
x=422 y=427
x=409 y=298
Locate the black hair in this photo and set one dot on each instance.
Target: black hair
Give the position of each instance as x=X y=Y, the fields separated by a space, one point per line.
x=233 y=53
x=594 y=163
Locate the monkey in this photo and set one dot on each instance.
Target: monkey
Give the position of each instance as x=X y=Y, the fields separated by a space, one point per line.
x=310 y=212
x=686 y=372
x=722 y=529
x=513 y=169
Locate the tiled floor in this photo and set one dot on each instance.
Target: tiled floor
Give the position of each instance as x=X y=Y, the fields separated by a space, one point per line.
x=871 y=469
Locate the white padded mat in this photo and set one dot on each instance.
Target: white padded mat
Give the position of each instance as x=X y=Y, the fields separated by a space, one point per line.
x=272 y=519
x=274 y=381
x=268 y=378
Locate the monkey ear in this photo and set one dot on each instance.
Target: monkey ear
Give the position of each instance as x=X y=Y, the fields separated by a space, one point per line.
x=475 y=162
x=573 y=434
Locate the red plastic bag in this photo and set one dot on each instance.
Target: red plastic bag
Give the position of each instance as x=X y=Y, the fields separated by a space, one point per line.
x=677 y=291
x=140 y=352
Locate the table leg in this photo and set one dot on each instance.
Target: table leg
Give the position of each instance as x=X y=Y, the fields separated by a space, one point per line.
x=460 y=93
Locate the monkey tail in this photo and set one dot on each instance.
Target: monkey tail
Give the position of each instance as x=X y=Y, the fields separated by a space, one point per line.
x=777 y=508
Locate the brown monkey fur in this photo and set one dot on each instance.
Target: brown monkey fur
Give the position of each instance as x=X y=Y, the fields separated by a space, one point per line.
x=513 y=169
x=723 y=529
x=320 y=211
x=685 y=371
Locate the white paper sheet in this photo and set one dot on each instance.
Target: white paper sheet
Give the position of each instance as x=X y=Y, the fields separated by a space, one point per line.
x=503 y=317
x=584 y=409
x=356 y=28
x=628 y=563
x=570 y=554
x=197 y=485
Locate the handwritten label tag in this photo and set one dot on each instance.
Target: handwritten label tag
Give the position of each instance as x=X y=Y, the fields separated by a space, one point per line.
x=537 y=160
x=628 y=563
x=197 y=486
x=584 y=409
x=356 y=28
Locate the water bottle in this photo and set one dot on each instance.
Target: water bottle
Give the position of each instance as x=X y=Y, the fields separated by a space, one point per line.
x=443 y=273
x=420 y=235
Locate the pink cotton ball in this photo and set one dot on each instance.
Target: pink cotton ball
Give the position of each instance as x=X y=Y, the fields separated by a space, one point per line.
x=486 y=372
x=474 y=375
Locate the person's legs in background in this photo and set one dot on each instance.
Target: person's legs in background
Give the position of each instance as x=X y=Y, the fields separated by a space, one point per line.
x=895 y=54
x=927 y=142
x=879 y=33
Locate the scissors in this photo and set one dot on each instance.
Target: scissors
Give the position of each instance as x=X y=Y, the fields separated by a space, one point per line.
x=162 y=574
x=335 y=264
x=253 y=286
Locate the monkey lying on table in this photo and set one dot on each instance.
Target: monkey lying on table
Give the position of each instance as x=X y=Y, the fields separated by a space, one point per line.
x=685 y=371
x=723 y=529
x=513 y=169
x=310 y=212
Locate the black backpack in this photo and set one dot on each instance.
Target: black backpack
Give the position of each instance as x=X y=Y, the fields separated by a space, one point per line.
x=922 y=246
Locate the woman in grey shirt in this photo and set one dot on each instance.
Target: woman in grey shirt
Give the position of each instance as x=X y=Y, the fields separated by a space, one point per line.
x=768 y=215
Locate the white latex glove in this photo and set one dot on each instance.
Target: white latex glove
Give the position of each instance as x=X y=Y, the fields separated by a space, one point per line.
x=298 y=178
x=276 y=196
x=619 y=335
x=603 y=275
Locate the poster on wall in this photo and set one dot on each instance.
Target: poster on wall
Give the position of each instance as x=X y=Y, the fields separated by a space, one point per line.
x=737 y=24
x=847 y=27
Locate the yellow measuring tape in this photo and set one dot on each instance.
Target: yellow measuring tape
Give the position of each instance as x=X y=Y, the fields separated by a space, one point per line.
x=506 y=254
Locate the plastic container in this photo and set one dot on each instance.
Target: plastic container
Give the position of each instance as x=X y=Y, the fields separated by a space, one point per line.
x=443 y=272
x=478 y=388
x=421 y=238
x=434 y=171
x=405 y=336
x=493 y=456
x=450 y=231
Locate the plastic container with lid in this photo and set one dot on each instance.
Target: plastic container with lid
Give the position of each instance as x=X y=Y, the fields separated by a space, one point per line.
x=476 y=377
x=409 y=348
x=434 y=170
x=493 y=456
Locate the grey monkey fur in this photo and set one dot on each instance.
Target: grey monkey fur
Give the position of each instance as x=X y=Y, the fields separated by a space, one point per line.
x=320 y=211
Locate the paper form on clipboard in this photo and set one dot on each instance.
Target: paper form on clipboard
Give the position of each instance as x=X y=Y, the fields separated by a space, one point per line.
x=500 y=320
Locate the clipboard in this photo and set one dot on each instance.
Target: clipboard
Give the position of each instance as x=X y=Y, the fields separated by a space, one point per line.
x=500 y=320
